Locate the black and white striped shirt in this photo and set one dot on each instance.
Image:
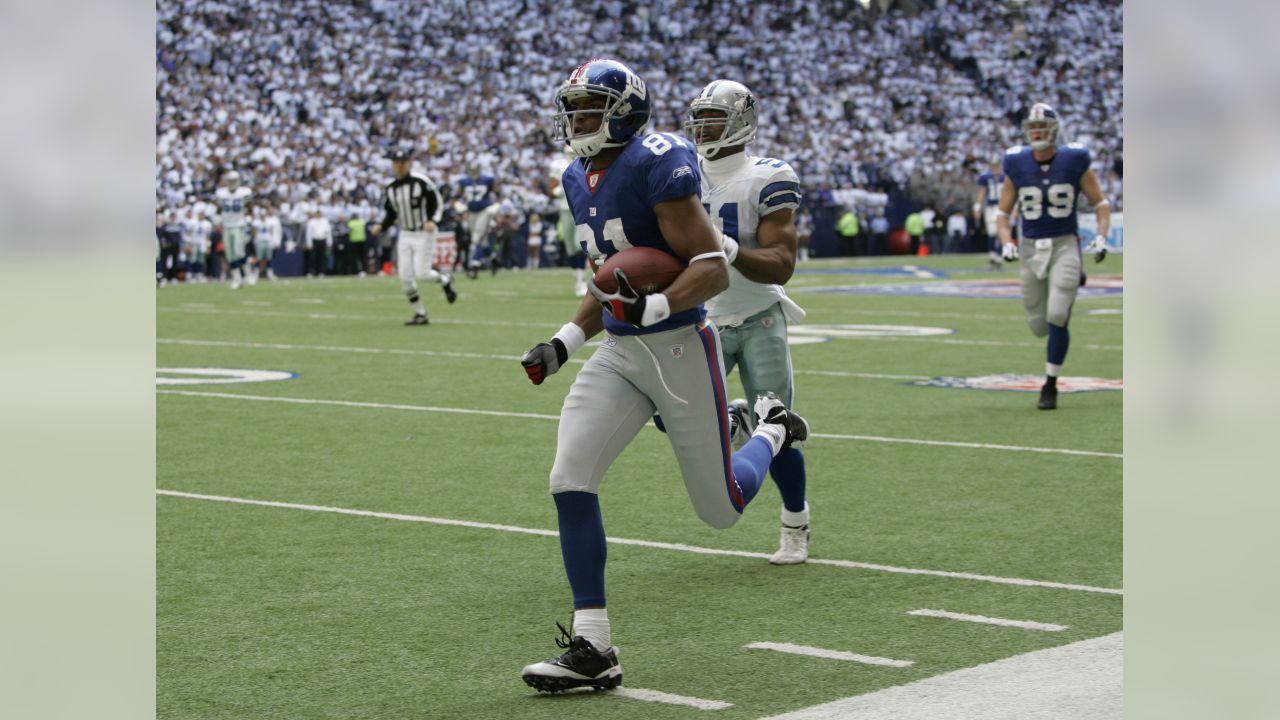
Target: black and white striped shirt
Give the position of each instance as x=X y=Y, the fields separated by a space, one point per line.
x=412 y=202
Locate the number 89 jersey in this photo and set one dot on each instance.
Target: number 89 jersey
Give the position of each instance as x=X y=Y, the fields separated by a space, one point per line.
x=613 y=208
x=1047 y=192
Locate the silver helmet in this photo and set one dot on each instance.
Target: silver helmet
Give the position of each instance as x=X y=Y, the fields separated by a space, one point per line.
x=737 y=127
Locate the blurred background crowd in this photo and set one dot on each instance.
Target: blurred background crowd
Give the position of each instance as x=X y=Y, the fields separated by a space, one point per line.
x=884 y=109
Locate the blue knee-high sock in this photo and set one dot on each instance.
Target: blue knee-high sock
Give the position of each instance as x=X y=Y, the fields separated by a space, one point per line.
x=1059 y=340
x=749 y=466
x=582 y=545
x=787 y=470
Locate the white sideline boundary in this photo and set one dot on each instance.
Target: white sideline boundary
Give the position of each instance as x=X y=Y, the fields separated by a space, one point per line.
x=1069 y=682
x=965 y=617
x=540 y=416
x=640 y=543
x=825 y=654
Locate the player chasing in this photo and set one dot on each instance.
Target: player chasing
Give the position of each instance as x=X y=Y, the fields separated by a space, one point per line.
x=628 y=190
x=1045 y=181
x=233 y=201
x=412 y=202
x=985 y=205
x=751 y=200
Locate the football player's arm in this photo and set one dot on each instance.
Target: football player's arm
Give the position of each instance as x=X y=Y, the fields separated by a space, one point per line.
x=687 y=228
x=1092 y=190
x=1007 y=197
x=978 y=200
x=775 y=260
x=546 y=358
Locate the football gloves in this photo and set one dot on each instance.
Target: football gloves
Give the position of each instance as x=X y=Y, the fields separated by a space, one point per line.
x=627 y=305
x=544 y=359
x=1009 y=252
x=1098 y=247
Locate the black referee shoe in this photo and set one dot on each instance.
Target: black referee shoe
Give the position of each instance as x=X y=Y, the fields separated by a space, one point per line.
x=418 y=320
x=449 y=294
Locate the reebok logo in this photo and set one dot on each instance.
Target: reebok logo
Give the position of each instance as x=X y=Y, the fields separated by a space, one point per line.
x=681 y=172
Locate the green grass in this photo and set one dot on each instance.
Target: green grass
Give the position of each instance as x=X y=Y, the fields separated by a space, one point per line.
x=279 y=613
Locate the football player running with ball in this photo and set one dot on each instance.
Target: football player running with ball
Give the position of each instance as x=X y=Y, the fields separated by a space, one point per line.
x=751 y=200
x=630 y=190
x=1045 y=179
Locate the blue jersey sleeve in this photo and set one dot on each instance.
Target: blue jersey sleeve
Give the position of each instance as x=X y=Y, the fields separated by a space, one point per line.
x=672 y=173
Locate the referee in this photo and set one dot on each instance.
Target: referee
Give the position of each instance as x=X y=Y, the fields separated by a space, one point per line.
x=413 y=202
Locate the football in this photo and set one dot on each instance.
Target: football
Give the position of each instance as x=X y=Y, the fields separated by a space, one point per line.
x=649 y=270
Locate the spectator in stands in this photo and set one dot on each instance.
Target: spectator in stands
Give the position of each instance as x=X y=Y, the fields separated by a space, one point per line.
x=879 y=234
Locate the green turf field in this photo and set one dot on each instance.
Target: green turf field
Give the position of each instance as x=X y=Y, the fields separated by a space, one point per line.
x=289 y=612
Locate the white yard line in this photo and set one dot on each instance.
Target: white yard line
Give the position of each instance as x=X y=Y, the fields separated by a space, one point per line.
x=477 y=356
x=500 y=413
x=639 y=543
x=964 y=617
x=829 y=654
x=669 y=699
x=505 y=323
x=976 y=446
x=1071 y=682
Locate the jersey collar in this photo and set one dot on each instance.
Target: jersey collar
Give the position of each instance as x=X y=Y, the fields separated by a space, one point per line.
x=720 y=168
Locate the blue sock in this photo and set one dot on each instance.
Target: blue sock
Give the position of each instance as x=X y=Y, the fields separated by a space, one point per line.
x=583 y=546
x=1059 y=340
x=749 y=466
x=787 y=470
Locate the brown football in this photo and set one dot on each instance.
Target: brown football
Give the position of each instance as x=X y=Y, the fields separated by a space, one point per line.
x=649 y=270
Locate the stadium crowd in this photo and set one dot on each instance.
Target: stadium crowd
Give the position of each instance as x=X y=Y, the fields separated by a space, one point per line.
x=304 y=97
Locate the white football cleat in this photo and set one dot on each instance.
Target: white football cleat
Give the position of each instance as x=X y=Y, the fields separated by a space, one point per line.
x=793 y=547
x=580 y=289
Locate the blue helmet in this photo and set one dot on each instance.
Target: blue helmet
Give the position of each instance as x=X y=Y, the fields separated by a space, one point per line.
x=624 y=112
x=1041 y=126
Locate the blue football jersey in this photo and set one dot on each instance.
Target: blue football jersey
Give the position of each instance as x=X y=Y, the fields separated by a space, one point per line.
x=1047 y=192
x=992 y=182
x=613 y=208
x=477 y=192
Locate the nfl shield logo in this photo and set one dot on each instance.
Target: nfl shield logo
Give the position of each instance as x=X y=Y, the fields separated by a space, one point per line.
x=677 y=351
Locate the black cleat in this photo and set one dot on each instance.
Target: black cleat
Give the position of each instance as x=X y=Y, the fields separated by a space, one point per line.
x=771 y=410
x=449 y=293
x=418 y=320
x=581 y=665
x=1048 y=396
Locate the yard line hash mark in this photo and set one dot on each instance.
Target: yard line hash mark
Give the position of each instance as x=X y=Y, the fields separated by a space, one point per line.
x=964 y=617
x=539 y=416
x=829 y=654
x=640 y=543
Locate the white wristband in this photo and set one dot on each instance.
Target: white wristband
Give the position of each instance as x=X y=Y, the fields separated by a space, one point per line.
x=707 y=256
x=1104 y=202
x=730 y=249
x=656 y=309
x=572 y=337
x=1000 y=212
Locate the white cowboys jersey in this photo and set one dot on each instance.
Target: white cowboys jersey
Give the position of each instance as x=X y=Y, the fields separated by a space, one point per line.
x=738 y=191
x=232 y=205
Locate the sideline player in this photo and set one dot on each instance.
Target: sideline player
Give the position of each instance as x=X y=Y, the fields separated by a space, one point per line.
x=629 y=190
x=575 y=256
x=751 y=199
x=233 y=201
x=413 y=202
x=985 y=204
x=1045 y=180
x=480 y=192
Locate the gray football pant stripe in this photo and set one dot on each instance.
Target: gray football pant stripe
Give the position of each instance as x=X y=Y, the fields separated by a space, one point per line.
x=619 y=389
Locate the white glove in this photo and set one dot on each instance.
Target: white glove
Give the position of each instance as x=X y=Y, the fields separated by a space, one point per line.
x=730 y=247
x=1098 y=247
x=1009 y=252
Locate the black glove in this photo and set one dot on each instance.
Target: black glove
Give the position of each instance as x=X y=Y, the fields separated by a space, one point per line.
x=544 y=359
x=626 y=304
